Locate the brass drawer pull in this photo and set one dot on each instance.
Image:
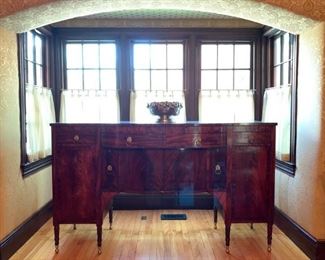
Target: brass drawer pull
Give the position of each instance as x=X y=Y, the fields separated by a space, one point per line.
x=76 y=138
x=109 y=169
x=129 y=140
x=196 y=140
x=217 y=169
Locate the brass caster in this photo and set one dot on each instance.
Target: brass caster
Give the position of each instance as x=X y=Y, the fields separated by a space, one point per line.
x=227 y=250
x=269 y=248
x=56 y=249
x=99 y=250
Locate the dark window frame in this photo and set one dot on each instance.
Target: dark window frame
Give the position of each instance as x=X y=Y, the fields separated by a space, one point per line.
x=29 y=168
x=270 y=34
x=191 y=36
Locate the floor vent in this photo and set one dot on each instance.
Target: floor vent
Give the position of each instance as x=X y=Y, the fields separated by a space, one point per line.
x=173 y=217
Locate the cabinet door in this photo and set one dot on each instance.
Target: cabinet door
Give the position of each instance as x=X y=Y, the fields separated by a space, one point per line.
x=75 y=180
x=249 y=184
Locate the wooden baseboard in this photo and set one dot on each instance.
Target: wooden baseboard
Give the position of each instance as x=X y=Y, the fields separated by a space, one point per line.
x=12 y=242
x=313 y=248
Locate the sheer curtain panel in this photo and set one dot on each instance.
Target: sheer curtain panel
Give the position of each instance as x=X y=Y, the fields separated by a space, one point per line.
x=89 y=106
x=39 y=115
x=277 y=108
x=226 y=106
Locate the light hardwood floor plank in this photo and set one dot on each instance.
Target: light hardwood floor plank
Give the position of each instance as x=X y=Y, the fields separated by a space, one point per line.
x=133 y=237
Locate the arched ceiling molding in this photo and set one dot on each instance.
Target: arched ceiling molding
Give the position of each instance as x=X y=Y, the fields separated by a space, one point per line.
x=67 y=9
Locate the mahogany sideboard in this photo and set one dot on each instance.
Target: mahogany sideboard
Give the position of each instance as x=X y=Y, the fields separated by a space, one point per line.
x=233 y=162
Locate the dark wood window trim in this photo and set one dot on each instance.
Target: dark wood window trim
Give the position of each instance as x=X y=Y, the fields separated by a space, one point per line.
x=190 y=36
x=29 y=168
x=288 y=167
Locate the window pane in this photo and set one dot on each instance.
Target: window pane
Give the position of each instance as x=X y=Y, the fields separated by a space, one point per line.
x=158 y=56
x=277 y=76
x=225 y=79
x=39 y=75
x=209 y=56
x=225 y=56
x=91 y=79
x=277 y=51
x=242 y=56
x=208 y=79
x=175 y=80
x=30 y=46
x=91 y=55
x=30 y=69
x=74 y=55
x=286 y=47
x=39 y=49
x=142 y=80
x=108 y=79
x=141 y=57
x=242 y=79
x=158 y=80
x=74 y=79
x=286 y=73
x=108 y=55
x=175 y=56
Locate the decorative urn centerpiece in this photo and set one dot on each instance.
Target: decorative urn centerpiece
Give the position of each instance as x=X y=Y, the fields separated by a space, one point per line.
x=164 y=110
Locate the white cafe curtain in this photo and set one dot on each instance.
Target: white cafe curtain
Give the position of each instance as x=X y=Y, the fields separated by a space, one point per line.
x=140 y=99
x=226 y=106
x=89 y=106
x=39 y=115
x=277 y=108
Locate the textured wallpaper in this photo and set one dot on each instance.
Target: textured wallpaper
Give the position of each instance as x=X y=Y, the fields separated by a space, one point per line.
x=302 y=197
x=312 y=8
x=67 y=9
x=19 y=197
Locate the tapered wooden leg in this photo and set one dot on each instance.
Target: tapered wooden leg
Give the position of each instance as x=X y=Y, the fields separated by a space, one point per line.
x=56 y=237
x=252 y=227
x=269 y=236
x=74 y=226
x=99 y=238
x=110 y=217
x=227 y=238
x=215 y=211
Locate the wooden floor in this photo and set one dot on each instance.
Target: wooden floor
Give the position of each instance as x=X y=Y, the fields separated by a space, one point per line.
x=135 y=238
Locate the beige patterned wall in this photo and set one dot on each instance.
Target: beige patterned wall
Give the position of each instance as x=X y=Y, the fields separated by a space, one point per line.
x=19 y=197
x=301 y=197
x=67 y=9
x=314 y=9
x=311 y=8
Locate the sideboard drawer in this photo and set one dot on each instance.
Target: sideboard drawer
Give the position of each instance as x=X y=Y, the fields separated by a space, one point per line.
x=258 y=138
x=134 y=136
x=77 y=135
x=195 y=136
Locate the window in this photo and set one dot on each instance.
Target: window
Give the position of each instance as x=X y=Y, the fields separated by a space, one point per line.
x=91 y=65
x=226 y=66
x=226 y=82
x=152 y=64
x=36 y=101
x=157 y=75
x=91 y=82
x=280 y=95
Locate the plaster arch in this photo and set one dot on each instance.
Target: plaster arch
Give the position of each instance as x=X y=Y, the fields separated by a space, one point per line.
x=246 y=9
